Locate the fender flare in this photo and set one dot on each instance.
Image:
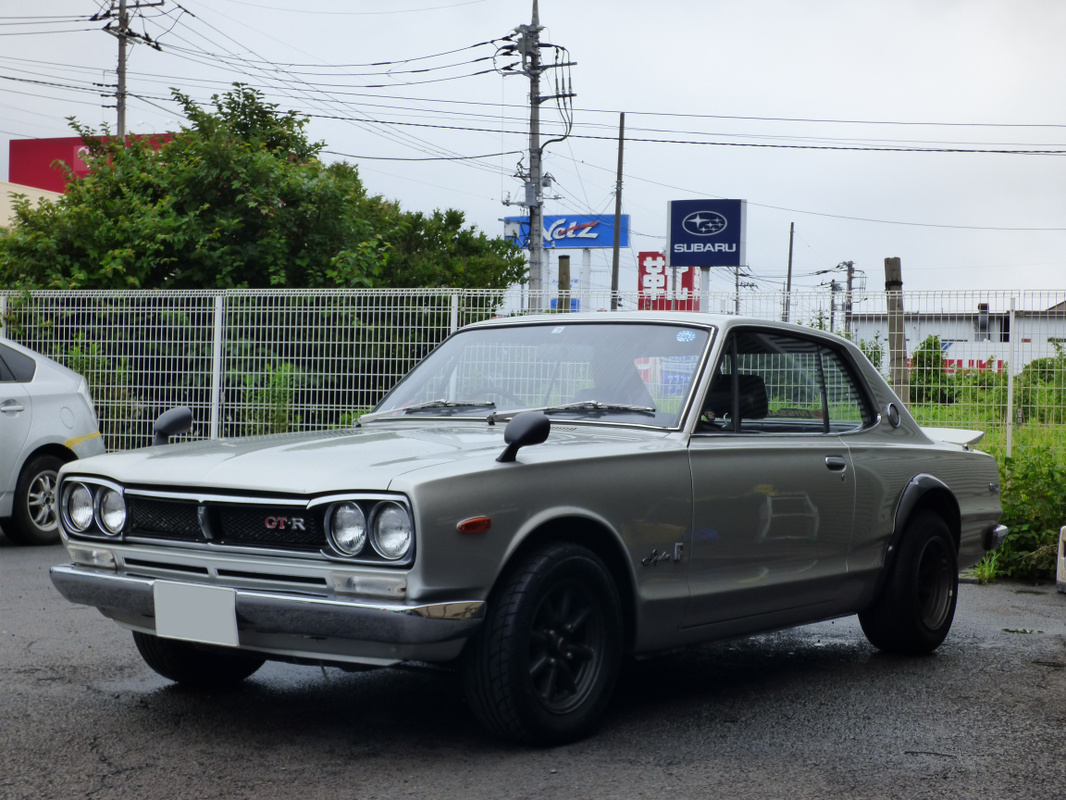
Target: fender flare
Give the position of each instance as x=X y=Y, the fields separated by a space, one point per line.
x=919 y=487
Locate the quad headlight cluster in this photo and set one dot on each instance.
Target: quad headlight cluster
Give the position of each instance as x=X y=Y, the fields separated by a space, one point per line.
x=357 y=529
x=93 y=509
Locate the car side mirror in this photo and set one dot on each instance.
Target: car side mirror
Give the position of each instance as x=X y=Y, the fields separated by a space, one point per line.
x=171 y=423
x=529 y=427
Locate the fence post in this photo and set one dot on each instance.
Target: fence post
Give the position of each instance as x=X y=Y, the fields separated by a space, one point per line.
x=455 y=313
x=1012 y=335
x=3 y=316
x=216 y=367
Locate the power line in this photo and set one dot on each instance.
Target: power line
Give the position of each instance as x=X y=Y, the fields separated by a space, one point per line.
x=447 y=7
x=428 y=158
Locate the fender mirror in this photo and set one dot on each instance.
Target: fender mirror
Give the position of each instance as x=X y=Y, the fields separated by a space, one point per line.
x=171 y=423
x=529 y=427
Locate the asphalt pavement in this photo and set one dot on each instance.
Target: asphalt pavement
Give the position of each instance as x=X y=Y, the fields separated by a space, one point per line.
x=813 y=712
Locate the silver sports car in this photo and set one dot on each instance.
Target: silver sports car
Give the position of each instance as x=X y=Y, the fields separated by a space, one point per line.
x=537 y=500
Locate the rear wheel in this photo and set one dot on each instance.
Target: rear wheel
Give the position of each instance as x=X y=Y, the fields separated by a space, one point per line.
x=35 y=517
x=543 y=667
x=915 y=609
x=200 y=666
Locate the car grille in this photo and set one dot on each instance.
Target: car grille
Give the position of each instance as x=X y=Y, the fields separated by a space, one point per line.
x=165 y=519
x=239 y=524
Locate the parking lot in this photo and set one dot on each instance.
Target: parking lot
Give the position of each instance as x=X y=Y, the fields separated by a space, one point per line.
x=809 y=713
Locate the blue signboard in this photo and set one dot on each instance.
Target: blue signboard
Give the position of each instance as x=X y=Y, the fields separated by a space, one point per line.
x=706 y=233
x=570 y=231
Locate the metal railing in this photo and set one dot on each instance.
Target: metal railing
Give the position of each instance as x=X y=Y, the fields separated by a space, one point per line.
x=253 y=361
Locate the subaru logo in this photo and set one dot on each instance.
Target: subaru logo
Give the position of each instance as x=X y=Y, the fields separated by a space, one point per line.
x=704 y=223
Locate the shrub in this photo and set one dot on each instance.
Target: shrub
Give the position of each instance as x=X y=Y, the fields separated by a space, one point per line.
x=1034 y=508
x=928 y=383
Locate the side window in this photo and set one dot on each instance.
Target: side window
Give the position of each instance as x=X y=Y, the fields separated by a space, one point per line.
x=15 y=366
x=768 y=382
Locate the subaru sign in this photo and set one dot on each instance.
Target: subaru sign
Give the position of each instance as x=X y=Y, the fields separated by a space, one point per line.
x=706 y=233
x=570 y=231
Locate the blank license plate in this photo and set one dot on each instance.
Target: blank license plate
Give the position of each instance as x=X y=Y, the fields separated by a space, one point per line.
x=196 y=613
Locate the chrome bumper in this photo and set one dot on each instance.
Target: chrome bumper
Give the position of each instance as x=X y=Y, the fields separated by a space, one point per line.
x=994 y=537
x=273 y=613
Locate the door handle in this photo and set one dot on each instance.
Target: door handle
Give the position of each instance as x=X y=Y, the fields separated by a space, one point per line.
x=836 y=463
x=12 y=407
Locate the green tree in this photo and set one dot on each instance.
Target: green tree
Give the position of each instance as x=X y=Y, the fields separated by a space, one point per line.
x=237 y=199
x=437 y=250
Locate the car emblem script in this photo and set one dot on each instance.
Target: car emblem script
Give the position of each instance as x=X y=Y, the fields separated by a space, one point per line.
x=284 y=523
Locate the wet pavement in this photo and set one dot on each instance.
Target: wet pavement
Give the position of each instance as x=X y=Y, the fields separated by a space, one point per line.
x=808 y=713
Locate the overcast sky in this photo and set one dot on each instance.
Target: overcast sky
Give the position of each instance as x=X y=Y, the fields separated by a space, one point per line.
x=860 y=121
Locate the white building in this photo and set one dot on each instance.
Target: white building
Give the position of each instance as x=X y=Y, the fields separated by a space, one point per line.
x=979 y=338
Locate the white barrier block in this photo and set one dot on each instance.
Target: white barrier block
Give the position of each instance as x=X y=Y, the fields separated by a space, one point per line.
x=1060 y=577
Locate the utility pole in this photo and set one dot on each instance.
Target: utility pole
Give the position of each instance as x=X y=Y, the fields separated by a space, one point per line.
x=848 y=295
x=123 y=34
x=834 y=287
x=897 y=335
x=788 y=284
x=120 y=96
x=617 y=213
x=528 y=47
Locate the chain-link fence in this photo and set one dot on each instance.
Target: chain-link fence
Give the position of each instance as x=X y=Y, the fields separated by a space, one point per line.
x=251 y=362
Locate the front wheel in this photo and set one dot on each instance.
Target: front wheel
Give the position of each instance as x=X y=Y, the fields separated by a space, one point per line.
x=35 y=518
x=543 y=667
x=199 y=666
x=915 y=609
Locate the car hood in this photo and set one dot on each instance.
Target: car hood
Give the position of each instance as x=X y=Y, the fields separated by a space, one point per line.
x=369 y=458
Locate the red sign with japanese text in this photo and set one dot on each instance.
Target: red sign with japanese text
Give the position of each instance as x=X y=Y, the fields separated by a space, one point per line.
x=658 y=291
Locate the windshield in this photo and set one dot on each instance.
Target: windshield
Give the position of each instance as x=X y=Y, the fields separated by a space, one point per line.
x=635 y=373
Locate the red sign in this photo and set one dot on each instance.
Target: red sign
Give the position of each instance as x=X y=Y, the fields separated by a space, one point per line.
x=654 y=282
x=33 y=161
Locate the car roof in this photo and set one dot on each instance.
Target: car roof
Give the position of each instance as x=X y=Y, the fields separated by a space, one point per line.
x=722 y=322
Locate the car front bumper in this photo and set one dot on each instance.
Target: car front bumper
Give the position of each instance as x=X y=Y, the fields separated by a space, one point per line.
x=265 y=617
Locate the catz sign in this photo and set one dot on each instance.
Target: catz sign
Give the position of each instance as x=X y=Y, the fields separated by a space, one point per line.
x=706 y=233
x=571 y=231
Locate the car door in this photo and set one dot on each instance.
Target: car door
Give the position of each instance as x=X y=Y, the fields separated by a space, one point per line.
x=773 y=483
x=16 y=412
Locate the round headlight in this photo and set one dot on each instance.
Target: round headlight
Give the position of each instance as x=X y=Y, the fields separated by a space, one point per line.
x=112 y=512
x=347 y=528
x=79 y=506
x=393 y=531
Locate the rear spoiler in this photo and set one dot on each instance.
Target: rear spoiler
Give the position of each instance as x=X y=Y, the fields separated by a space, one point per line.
x=954 y=436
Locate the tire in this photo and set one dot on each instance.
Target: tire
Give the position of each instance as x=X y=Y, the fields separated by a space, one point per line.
x=35 y=519
x=543 y=667
x=915 y=609
x=195 y=665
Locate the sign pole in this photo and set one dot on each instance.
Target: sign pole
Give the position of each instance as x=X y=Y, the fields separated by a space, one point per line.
x=617 y=212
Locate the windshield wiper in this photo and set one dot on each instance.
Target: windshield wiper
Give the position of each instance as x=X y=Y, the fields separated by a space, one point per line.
x=427 y=406
x=593 y=406
x=432 y=404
